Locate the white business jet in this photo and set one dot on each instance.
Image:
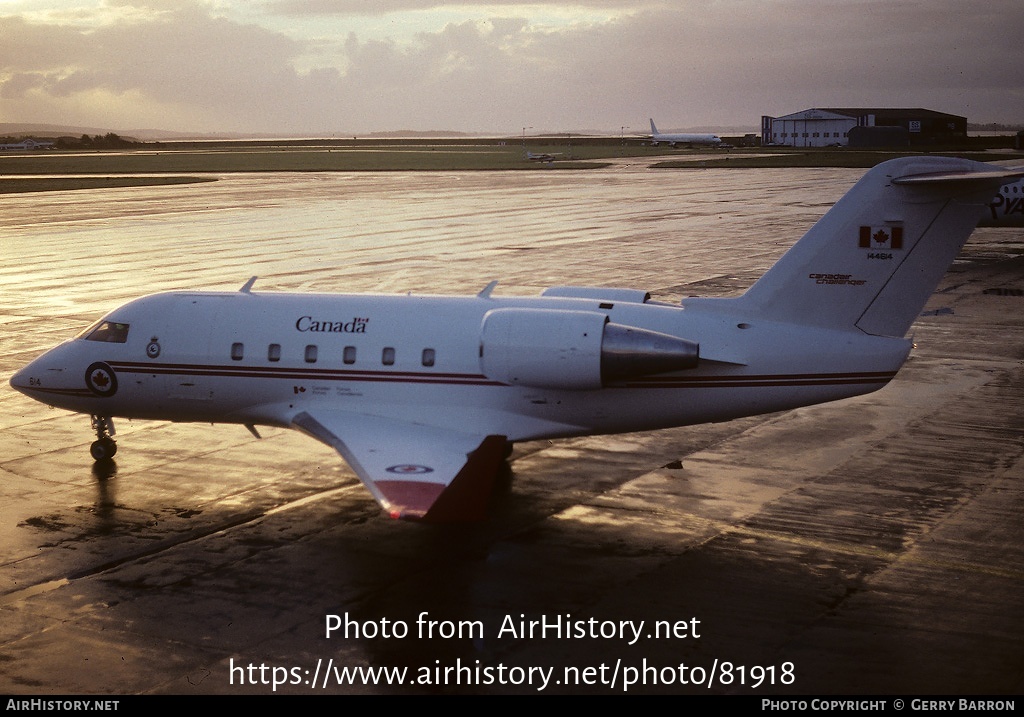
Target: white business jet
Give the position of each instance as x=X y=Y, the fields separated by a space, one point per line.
x=422 y=395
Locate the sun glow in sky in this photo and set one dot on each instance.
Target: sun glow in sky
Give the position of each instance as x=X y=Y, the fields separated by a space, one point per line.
x=342 y=67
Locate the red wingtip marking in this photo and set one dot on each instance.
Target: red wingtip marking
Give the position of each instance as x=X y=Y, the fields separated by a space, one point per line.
x=409 y=498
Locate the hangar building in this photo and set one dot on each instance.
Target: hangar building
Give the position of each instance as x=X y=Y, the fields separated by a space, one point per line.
x=862 y=126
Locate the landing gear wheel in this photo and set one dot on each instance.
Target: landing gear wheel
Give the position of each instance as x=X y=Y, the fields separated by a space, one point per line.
x=103 y=449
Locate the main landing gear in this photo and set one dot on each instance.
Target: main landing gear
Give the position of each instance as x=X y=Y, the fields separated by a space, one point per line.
x=104 y=447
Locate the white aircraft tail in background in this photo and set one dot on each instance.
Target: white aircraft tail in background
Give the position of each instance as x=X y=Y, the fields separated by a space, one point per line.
x=423 y=394
x=1007 y=208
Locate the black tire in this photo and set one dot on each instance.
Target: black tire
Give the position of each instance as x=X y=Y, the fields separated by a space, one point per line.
x=103 y=449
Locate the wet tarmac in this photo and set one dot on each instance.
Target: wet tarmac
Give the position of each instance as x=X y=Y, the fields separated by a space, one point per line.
x=863 y=547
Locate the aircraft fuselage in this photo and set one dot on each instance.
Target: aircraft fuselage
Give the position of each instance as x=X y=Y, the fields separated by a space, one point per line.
x=262 y=358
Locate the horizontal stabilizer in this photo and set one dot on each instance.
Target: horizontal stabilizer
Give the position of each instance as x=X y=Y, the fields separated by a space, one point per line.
x=986 y=177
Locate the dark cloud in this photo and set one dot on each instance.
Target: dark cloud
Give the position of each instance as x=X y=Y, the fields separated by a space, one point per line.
x=722 y=63
x=384 y=7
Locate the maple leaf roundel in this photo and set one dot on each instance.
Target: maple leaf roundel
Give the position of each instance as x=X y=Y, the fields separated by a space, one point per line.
x=100 y=379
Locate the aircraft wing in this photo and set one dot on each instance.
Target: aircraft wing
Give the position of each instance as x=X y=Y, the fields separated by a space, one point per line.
x=414 y=471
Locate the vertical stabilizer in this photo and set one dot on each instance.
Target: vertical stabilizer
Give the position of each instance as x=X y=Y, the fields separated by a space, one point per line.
x=876 y=257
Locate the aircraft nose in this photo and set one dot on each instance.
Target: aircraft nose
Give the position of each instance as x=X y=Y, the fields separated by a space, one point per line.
x=19 y=381
x=37 y=376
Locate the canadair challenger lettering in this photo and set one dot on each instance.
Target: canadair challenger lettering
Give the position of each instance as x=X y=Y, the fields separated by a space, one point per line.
x=424 y=407
x=835 y=279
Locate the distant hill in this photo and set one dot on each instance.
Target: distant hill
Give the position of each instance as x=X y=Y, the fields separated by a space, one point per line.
x=36 y=129
x=17 y=129
x=993 y=127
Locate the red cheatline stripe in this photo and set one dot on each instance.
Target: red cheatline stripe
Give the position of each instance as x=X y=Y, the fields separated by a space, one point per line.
x=62 y=391
x=689 y=381
x=796 y=379
x=303 y=374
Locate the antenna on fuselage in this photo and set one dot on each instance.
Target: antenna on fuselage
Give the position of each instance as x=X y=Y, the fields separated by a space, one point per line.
x=247 y=286
x=486 y=292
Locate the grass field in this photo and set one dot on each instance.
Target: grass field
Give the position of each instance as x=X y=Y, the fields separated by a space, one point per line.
x=852 y=158
x=60 y=184
x=283 y=159
x=195 y=162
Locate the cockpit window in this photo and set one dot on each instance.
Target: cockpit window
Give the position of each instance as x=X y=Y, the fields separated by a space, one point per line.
x=109 y=331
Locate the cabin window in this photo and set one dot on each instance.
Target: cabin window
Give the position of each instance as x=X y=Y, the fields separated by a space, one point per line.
x=428 y=357
x=237 y=351
x=274 y=352
x=349 y=355
x=311 y=353
x=388 y=356
x=107 y=331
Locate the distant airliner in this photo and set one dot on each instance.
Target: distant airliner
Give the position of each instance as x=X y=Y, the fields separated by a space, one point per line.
x=674 y=139
x=422 y=395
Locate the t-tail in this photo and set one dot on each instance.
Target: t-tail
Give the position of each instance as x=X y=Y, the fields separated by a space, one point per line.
x=875 y=258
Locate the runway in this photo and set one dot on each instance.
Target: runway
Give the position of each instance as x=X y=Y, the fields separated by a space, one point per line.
x=870 y=546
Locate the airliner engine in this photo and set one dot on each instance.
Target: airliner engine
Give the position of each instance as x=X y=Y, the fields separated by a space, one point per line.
x=575 y=350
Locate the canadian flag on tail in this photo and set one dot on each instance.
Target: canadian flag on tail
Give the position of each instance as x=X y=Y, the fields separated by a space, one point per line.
x=881 y=237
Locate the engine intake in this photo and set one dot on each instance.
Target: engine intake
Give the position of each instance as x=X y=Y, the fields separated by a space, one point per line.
x=574 y=350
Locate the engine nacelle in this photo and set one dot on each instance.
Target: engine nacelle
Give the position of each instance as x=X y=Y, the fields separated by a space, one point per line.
x=574 y=350
x=543 y=347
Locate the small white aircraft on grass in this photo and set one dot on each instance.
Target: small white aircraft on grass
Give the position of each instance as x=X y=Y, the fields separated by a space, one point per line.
x=541 y=157
x=423 y=394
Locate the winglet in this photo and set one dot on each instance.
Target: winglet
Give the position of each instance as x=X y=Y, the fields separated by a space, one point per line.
x=464 y=500
x=247 y=287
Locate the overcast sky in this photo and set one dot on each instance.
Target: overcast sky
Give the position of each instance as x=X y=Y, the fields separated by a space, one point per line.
x=343 y=67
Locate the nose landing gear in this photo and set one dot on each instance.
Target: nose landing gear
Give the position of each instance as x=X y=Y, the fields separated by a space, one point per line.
x=104 y=447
